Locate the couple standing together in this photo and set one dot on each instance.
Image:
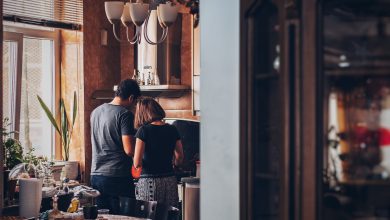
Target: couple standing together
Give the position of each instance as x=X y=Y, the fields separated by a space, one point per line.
x=121 y=139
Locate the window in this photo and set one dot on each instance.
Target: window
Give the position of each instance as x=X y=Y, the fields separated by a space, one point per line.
x=29 y=67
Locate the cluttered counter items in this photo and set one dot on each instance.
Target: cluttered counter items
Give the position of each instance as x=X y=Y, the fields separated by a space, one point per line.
x=101 y=217
x=118 y=217
x=11 y=218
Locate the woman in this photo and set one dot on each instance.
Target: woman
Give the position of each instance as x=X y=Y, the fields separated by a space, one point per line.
x=156 y=144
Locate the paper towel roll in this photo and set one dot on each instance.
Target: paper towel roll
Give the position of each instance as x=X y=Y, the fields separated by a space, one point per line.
x=30 y=196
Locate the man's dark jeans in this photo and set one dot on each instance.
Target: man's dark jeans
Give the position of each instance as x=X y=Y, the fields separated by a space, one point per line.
x=111 y=188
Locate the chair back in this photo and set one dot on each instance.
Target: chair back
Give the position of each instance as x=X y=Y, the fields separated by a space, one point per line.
x=137 y=208
x=165 y=212
x=147 y=209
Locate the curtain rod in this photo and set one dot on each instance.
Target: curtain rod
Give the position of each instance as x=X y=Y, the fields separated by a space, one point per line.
x=42 y=22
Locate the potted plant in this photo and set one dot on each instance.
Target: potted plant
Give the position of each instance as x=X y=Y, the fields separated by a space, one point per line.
x=13 y=150
x=13 y=155
x=65 y=131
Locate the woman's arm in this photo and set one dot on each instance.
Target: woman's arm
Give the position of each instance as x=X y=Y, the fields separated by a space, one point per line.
x=139 y=153
x=179 y=155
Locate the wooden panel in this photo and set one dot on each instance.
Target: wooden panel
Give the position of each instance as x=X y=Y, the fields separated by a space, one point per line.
x=1 y=108
x=72 y=81
x=186 y=50
x=180 y=107
x=101 y=65
x=309 y=70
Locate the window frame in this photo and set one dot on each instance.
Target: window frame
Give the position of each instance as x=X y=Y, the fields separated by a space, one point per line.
x=18 y=38
x=19 y=33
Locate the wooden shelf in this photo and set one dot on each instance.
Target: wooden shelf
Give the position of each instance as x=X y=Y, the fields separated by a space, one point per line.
x=171 y=91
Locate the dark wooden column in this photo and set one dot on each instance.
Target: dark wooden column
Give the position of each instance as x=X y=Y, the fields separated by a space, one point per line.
x=1 y=107
x=309 y=25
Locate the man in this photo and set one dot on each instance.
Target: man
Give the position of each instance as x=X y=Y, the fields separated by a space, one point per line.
x=112 y=131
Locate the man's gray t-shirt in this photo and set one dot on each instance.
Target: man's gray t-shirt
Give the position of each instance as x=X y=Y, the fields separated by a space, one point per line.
x=108 y=124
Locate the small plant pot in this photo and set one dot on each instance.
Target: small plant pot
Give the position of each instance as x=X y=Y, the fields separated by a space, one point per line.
x=64 y=201
x=90 y=212
x=56 y=171
x=11 y=189
x=71 y=169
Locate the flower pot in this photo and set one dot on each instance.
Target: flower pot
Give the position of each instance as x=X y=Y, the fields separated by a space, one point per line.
x=71 y=168
x=64 y=200
x=90 y=212
x=9 y=186
x=11 y=189
x=5 y=179
x=56 y=171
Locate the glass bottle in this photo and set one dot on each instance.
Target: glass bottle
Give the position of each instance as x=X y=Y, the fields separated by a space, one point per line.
x=135 y=75
x=156 y=79
x=55 y=213
x=40 y=170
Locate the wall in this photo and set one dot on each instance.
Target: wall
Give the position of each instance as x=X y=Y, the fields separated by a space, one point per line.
x=219 y=100
x=126 y=54
x=182 y=107
x=175 y=107
x=105 y=66
x=102 y=66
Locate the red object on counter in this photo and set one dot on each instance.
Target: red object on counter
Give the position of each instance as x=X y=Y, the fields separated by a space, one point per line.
x=136 y=173
x=384 y=137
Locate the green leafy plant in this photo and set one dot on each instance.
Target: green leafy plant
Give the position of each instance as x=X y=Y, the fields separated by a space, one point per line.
x=31 y=158
x=65 y=128
x=13 y=150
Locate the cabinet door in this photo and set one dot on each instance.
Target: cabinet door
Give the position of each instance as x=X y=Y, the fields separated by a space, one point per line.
x=355 y=156
x=264 y=112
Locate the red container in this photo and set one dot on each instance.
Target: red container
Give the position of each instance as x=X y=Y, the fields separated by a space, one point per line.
x=136 y=173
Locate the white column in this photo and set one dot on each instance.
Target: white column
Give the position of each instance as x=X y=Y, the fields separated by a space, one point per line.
x=219 y=98
x=384 y=140
x=147 y=53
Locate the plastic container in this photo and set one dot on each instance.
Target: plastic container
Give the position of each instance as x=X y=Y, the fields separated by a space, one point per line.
x=103 y=211
x=136 y=173
x=198 y=169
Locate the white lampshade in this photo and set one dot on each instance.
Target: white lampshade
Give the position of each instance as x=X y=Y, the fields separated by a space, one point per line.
x=138 y=12
x=126 y=18
x=114 y=10
x=167 y=13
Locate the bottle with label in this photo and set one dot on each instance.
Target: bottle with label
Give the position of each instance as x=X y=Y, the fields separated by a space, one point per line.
x=156 y=78
x=55 y=213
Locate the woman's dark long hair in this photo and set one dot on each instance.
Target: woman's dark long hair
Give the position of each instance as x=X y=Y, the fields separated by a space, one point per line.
x=147 y=111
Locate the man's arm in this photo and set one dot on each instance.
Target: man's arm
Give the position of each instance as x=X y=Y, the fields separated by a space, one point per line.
x=128 y=144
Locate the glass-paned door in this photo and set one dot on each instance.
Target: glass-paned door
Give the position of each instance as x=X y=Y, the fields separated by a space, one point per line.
x=356 y=69
x=28 y=72
x=12 y=67
x=37 y=80
x=265 y=112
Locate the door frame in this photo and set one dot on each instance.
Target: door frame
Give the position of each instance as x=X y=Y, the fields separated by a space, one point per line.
x=312 y=105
